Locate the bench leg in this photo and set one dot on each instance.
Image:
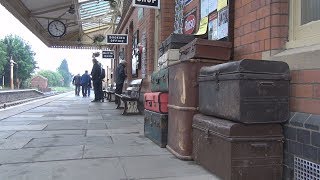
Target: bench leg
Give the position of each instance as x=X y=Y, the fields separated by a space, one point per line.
x=119 y=104
x=131 y=107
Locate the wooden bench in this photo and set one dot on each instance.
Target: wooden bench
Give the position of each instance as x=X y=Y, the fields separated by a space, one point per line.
x=130 y=98
x=109 y=93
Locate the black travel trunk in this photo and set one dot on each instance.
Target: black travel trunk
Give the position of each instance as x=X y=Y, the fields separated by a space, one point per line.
x=247 y=91
x=175 y=41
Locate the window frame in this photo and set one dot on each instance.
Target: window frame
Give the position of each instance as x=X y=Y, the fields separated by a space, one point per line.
x=301 y=35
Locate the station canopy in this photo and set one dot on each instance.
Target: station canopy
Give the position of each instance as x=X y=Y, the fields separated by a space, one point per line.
x=87 y=22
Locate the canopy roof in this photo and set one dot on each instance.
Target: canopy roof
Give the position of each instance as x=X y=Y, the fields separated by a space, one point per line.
x=87 y=21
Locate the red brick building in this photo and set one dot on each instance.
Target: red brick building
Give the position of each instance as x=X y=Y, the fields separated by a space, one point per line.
x=279 y=30
x=39 y=82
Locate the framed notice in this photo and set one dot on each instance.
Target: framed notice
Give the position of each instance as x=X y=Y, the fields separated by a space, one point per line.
x=190 y=21
x=117 y=39
x=204 y=8
x=223 y=23
x=213 y=26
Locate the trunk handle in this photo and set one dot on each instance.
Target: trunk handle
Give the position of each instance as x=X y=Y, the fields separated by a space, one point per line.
x=266 y=83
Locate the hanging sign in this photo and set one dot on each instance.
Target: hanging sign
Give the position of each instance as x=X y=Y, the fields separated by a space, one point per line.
x=117 y=39
x=155 y=4
x=108 y=54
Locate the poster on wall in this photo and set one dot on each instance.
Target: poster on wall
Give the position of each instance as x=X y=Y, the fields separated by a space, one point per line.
x=207 y=7
x=178 y=18
x=222 y=4
x=203 y=26
x=204 y=8
x=190 y=21
x=213 y=26
x=223 y=23
x=212 y=4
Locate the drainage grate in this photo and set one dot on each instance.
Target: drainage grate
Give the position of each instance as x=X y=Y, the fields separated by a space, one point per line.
x=306 y=170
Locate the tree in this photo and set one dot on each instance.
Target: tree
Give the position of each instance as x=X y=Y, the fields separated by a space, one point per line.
x=54 y=78
x=3 y=57
x=22 y=54
x=63 y=69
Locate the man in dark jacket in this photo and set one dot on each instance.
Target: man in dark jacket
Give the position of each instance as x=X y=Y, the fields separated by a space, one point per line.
x=76 y=83
x=85 y=82
x=96 y=79
x=120 y=77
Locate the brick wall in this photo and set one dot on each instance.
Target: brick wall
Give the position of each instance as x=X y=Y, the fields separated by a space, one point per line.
x=305 y=91
x=39 y=82
x=260 y=26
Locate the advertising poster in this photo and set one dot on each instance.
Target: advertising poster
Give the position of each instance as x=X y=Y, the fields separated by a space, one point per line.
x=223 y=22
x=203 y=26
x=213 y=27
x=222 y=4
x=190 y=21
x=204 y=8
x=213 y=5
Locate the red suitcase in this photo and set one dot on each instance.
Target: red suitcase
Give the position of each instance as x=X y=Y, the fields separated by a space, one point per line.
x=156 y=101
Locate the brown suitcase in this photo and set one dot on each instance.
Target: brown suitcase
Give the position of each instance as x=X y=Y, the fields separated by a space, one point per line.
x=183 y=104
x=235 y=151
x=206 y=49
x=244 y=90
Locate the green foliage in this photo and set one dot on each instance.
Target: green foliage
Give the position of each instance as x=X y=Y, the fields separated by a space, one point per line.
x=3 y=57
x=63 y=69
x=23 y=55
x=54 y=78
x=62 y=89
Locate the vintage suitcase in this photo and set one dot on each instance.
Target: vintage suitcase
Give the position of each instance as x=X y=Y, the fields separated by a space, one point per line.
x=183 y=104
x=160 y=80
x=169 y=57
x=156 y=101
x=248 y=91
x=206 y=49
x=156 y=127
x=175 y=41
x=235 y=151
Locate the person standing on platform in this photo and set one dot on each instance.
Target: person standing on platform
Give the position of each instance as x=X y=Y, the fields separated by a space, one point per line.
x=96 y=80
x=120 y=77
x=76 y=83
x=85 y=81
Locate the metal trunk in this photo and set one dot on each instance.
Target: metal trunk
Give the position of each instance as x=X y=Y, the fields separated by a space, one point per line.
x=175 y=41
x=206 y=49
x=183 y=104
x=160 y=81
x=156 y=101
x=248 y=91
x=234 y=151
x=156 y=127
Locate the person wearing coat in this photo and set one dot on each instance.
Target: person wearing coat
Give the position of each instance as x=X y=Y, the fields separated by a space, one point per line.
x=96 y=81
x=85 y=83
x=120 y=77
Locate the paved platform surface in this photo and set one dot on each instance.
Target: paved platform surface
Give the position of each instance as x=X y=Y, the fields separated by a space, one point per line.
x=69 y=138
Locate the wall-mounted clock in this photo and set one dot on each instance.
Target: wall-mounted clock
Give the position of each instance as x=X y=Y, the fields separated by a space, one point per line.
x=56 y=28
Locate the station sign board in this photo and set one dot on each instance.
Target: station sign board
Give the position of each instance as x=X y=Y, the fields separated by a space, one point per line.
x=117 y=39
x=155 y=4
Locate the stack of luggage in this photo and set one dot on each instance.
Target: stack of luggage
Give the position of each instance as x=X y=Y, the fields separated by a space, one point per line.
x=183 y=90
x=156 y=102
x=238 y=134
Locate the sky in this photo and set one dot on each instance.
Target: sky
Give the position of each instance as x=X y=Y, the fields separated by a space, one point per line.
x=48 y=58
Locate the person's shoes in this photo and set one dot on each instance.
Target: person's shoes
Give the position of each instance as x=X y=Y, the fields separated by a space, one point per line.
x=102 y=100
x=95 y=100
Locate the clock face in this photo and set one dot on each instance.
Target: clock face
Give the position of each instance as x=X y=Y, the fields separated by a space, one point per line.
x=56 y=28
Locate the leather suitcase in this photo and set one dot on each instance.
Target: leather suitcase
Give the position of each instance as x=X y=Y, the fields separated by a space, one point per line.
x=156 y=101
x=175 y=41
x=206 y=49
x=156 y=127
x=169 y=57
x=183 y=104
x=235 y=151
x=244 y=90
x=160 y=81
